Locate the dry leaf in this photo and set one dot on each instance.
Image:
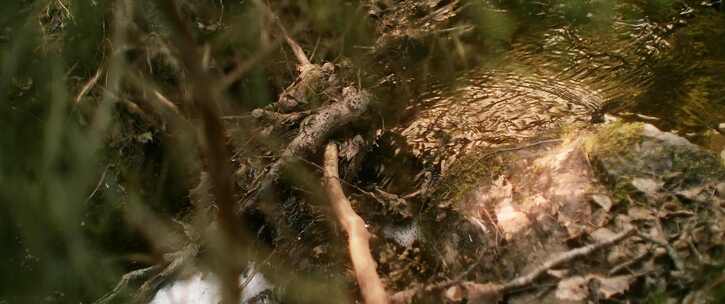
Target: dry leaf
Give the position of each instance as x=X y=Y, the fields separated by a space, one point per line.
x=612 y=286
x=577 y=288
x=483 y=293
x=647 y=186
x=454 y=294
x=509 y=219
x=641 y=214
x=603 y=201
x=573 y=289
x=602 y=234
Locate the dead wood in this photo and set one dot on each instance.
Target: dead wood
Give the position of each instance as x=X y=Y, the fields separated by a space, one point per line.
x=358 y=237
x=493 y=292
x=314 y=132
x=279 y=119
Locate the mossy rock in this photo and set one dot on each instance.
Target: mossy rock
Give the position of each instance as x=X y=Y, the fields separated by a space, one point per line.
x=624 y=152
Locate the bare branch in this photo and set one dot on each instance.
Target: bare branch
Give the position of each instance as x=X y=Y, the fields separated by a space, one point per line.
x=358 y=238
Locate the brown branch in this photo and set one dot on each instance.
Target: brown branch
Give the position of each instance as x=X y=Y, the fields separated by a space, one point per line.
x=563 y=258
x=302 y=58
x=358 y=238
x=478 y=291
x=205 y=100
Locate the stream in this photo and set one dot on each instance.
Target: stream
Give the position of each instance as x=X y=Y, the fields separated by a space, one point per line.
x=636 y=68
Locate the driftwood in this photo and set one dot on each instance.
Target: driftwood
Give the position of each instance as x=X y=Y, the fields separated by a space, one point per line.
x=358 y=238
x=493 y=292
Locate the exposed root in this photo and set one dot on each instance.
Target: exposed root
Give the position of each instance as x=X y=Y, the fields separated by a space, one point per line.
x=314 y=132
x=371 y=286
x=127 y=279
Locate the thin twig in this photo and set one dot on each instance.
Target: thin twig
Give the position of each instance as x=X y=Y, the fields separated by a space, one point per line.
x=492 y=290
x=563 y=258
x=89 y=84
x=670 y=250
x=125 y=280
x=98 y=185
x=538 y=143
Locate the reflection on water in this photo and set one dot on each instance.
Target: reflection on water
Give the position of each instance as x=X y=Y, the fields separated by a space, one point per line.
x=688 y=90
x=494 y=108
x=565 y=74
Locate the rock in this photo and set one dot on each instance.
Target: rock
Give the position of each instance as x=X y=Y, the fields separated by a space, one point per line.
x=668 y=138
x=645 y=158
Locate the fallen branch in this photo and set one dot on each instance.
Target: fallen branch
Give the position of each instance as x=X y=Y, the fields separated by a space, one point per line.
x=358 y=237
x=492 y=292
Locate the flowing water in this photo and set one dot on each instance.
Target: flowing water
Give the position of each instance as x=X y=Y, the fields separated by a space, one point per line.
x=668 y=72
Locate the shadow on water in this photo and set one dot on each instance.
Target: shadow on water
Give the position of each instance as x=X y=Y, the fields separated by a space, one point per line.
x=688 y=94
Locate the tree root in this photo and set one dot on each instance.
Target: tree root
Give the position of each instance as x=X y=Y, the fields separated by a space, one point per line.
x=371 y=286
x=314 y=132
x=127 y=279
x=493 y=292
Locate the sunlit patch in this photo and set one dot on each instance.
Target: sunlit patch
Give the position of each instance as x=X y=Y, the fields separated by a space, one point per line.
x=204 y=288
x=510 y=220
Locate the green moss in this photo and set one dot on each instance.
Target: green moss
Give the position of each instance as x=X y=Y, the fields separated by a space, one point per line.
x=620 y=153
x=656 y=297
x=466 y=173
x=614 y=138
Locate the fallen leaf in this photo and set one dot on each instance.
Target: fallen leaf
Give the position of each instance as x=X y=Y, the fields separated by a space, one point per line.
x=577 y=288
x=509 y=219
x=483 y=293
x=573 y=289
x=602 y=234
x=603 y=201
x=573 y=228
x=612 y=286
x=692 y=194
x=647 y=186
x=454 y=294
x=639 y=213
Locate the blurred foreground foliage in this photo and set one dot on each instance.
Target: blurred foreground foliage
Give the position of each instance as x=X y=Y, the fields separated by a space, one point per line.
x=71 y=164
